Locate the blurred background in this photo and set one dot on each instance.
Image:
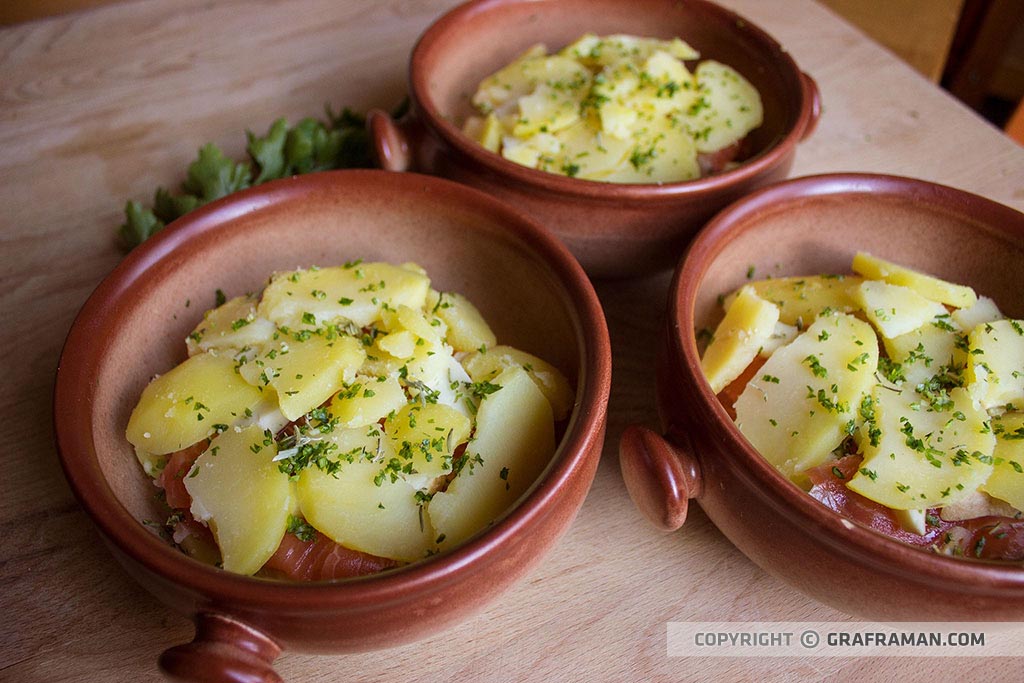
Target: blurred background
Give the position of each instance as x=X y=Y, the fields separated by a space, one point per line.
x=972 y=48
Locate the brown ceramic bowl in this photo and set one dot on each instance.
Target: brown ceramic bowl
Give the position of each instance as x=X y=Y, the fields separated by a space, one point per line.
x=524 y=281
x=613 y=229
x=808 y=226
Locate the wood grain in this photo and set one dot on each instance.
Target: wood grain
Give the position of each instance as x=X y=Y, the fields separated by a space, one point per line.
x=104 y=105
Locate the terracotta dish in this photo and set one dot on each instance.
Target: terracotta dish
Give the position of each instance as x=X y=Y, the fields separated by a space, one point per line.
x=614 y=230
x=523 y=280
x=808 y=226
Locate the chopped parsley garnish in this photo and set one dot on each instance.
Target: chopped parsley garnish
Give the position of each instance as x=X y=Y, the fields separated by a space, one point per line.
x=484 y=388
x=301 y=529
x=816 y=367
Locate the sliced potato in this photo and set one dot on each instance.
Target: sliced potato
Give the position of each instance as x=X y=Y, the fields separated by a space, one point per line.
x=514 y=442
x=781 y=335
x=401 y=344
x=431 y=329
x=747 y=327
x=237 y=489
x=487 y=131
x=617 y=48
x=152 y=464
x=522 y=152
x=959 y=296
x=913 y=520
x=585 y=152
x=232 y=325
x=435 y=376
x=505 y=87
x=617 y=108
x=895 y=309
x=467 y=329
x=802 y=299
x=978 y=504
x=1007 y=479
x=667 y=88
x=662 y=152
x=549 y=109
x=925 y=352
x=984 y=310
x=184 y=406
x=996 y=364
x=366 y=401
x=729 y=108
x=925 y=457
x=355 y=292
x=305 y=371
x=359 y=506
x=486 y=365
x=805 y=399
x=618 y=119
x=424 y=438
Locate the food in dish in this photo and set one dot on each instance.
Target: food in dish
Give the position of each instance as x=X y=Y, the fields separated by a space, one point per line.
x=348 y=420
x=893 y=397
x=617 y=108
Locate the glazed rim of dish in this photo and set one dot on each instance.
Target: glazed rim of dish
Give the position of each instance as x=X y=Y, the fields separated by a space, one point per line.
x=830 y=528
x=80 y=356
x=435 y=37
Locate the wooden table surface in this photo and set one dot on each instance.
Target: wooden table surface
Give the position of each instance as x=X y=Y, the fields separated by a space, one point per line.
x=104 y=105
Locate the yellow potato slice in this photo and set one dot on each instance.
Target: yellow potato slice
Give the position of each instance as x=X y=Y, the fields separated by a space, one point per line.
x=913 y=521
x=233 y=325
x=802 y=299
x=928 y=351
x=616 y=109
x=781 y=335
x=152 y=464
x=662 y=152
x=360 y=506
x=467 y=329
x=747 y=327
x=366 y=401
x=487 y=131
x=728 y=109
x=514 y=442
x=305 y=370
x=927 y=286
x=401 y=344
x=549 y=109
x=506 y=86
x=183 y=406
x=805 y=399
x=984 y=310
x=486 y=365
x=356 y=292
x=924 y=457
x=894 y=309
x=237 y=489
x=601 y=51
x=996 y=364
x=586 y=153
x=424 y=437
x=1007 y=479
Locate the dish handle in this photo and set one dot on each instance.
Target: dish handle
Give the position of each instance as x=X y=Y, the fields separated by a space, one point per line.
x=393 y=142
x=812 y=95
x=661 y=475
x=224 y=650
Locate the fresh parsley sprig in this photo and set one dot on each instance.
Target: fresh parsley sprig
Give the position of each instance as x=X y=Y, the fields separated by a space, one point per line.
x=340 y=141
